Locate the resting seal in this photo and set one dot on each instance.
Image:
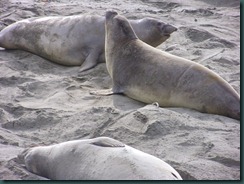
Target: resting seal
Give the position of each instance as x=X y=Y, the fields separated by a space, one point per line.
x=74 y=40
x=100 y=158
x=147 y=74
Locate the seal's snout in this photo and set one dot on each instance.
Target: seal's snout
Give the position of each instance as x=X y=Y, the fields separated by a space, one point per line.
x=110 y=14
x=168 y=29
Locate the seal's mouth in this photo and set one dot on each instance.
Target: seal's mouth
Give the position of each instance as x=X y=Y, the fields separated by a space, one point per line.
x=166 y=34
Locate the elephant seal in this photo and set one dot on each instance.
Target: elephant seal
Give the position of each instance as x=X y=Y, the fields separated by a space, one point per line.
x=74 y=40
x=100 y=158
x=147 y=74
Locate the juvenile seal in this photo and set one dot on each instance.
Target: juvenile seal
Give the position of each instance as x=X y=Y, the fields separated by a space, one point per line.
x=100 y=158
x=150 y=75
x=74 y=40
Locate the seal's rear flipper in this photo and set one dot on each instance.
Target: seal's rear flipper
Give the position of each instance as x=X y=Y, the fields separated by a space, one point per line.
x=106 y=142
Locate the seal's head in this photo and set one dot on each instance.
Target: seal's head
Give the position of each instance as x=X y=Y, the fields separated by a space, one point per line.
x=110 y=14
x=154 y=31
x=150 y=30
x=118 y=29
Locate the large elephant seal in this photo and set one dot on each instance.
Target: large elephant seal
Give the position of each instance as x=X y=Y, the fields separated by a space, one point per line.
x=100 y=158
x=74 y=40
x=150 y=75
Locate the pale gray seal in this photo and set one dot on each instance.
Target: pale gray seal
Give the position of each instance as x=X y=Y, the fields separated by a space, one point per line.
x=150 y=75
x=74 y=40
x=100 y=158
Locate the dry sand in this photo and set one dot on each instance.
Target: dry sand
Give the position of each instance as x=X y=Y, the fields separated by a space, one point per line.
x=42 y=103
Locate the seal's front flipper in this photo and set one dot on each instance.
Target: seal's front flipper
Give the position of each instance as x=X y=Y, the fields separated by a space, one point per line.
x=105 y=92
x=90 y=62
x=107 y=142
x=22 y=155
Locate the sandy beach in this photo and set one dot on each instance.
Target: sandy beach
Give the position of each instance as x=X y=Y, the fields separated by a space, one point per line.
x=43 y=103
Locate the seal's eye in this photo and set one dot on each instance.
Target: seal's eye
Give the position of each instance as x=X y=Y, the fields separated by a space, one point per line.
x=159 y=24
x=163 y=27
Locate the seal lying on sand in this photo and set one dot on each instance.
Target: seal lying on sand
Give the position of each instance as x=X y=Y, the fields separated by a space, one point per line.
x=74 y=40
x=149 y=75
x=100 y=158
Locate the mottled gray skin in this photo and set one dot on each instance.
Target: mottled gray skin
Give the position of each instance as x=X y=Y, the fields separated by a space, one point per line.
x=74 y=40
x=150 y=75
x=100 y=158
